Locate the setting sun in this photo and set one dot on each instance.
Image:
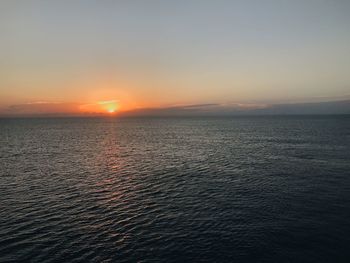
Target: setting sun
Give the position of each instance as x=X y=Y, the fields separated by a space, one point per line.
x=110 y=106
x=101 y=107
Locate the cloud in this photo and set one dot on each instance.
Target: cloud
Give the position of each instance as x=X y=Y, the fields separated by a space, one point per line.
x=41 y=108
x=232 y=109
x=196 y=109
x=47 y=108
x=108 y=102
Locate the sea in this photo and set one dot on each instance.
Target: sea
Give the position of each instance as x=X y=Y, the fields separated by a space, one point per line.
x=176 y=189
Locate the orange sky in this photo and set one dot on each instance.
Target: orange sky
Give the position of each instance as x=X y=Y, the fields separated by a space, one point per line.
x=71 y=57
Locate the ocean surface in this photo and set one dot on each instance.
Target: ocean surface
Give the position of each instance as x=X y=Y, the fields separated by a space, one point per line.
x=242 y=189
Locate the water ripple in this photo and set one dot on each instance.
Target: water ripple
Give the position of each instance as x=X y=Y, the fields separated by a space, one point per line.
x=175 y=190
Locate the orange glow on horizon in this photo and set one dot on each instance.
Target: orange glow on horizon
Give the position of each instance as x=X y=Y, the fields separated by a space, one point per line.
x=109 y=106
x=101 y=107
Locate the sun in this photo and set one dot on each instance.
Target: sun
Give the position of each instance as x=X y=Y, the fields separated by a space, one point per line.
x=106 y=107
x=109 y=106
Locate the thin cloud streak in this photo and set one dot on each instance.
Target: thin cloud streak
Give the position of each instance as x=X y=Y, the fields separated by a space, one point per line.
x=42 y=108
x=233 y=109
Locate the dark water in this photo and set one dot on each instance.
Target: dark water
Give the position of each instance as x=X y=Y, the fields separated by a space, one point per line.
x=254 y=189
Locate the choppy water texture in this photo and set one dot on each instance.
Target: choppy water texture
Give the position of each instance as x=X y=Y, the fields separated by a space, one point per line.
x=252 y=189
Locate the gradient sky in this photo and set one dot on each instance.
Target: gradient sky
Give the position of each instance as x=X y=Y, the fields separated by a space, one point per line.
x=65 y=55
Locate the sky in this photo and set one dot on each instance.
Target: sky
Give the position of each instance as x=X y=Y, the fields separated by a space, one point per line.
x=114 y=56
